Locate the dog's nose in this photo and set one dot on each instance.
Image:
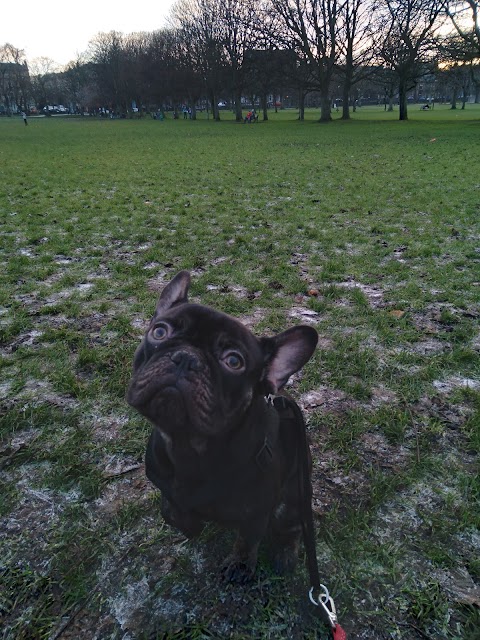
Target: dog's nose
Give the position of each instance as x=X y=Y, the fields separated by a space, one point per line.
x=186 y=361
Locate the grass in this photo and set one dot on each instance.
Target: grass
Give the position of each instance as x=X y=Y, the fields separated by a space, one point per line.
x=367 y=229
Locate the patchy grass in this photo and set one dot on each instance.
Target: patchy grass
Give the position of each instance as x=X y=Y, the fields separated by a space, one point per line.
x=367 y=230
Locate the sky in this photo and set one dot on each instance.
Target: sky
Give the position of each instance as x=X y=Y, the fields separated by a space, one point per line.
x=62 y=30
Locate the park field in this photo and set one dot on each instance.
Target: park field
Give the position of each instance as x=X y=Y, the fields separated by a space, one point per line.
x=368 y=230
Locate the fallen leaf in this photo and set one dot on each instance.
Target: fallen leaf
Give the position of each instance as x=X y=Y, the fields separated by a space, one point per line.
x=397 y=313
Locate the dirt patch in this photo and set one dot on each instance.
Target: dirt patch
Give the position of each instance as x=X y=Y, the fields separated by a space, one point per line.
x=374 y=294
x=326 y=398
x=30 y=339
x=456 y=382
x=253 y=319
x=430 y=347
x=122 y=490
x=37 y=392
x=305 y=315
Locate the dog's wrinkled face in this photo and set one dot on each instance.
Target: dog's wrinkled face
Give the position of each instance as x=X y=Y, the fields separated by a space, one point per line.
x=199 y=369
x=195 y=367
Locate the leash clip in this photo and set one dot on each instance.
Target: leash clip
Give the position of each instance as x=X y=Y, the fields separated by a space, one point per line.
x=325 y=601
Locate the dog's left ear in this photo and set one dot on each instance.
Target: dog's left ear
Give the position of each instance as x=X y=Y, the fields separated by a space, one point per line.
x=287 y=353
x=175 y=292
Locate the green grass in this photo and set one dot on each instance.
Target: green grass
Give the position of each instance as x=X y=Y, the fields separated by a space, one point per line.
x=368 y=229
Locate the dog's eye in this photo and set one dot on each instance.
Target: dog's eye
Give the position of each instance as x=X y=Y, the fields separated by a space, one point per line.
x=160 y=332
x=234 y=361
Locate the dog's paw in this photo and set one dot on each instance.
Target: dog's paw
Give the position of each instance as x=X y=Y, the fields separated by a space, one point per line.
x=236 y=571
x=285 y=557
x=285 y=561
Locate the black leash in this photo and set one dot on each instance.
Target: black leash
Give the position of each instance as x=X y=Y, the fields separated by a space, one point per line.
x=326 y=607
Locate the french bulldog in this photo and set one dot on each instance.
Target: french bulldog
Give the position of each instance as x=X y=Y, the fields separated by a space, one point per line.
x=220 y=450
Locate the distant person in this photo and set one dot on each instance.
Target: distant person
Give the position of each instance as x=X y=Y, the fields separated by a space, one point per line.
x=24 y=116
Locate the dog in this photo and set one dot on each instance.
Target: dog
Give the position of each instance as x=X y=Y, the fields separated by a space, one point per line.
x=220 y=450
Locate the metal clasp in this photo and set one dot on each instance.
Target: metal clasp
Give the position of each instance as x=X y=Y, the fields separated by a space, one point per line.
x=325 y=601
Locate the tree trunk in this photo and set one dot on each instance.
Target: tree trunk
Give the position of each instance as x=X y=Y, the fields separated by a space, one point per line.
x=301 y=106
x=402 y=100
x=215 y=111
x=238 y=107
x=325 y=108
x=264 y=106
x=346 y=100
x=453 y=102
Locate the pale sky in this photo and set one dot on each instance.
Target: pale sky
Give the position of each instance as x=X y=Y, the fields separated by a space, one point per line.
x=62 y=30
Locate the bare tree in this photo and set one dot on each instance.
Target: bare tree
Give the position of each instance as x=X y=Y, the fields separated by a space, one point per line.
x=357 y=44
x=237 y=20
x=45 y=80
x=311 y=28
x=15 y=88
x=409 y=29
x=465 y=16
x=199 y=28
x=79 y=83
x=159 y=67
x=456 y=60
x=107 y=53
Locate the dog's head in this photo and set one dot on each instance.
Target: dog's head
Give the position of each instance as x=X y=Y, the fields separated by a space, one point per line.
x=199 y=369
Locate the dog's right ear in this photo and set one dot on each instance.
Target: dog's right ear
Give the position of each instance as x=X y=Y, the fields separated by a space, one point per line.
x=174 y=293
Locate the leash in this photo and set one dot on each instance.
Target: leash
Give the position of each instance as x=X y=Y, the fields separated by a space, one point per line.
x=318 y=593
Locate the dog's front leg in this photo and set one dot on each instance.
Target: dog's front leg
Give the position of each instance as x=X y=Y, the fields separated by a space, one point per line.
x=240 y=565
x=189 y=525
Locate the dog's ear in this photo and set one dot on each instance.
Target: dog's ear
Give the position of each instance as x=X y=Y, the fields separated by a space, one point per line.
x=174 y=293
x=286 y=353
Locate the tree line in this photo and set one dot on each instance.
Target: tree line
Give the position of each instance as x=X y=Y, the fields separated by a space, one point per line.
x=212 y=49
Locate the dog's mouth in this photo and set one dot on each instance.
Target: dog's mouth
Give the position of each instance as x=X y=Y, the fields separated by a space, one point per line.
x=167 y=405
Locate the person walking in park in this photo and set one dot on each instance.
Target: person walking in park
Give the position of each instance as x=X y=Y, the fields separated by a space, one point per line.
x=24 y=116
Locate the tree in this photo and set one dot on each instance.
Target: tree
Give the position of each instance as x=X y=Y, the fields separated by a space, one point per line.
x=15 y=88
x=237 y=21
x=456 y=63
x=79 y=82
x=357 y=46
x=199 y=28
x=45 y=81
x=159 y=67
x=107 y=53
x=409 y=28
x=311 y=30
x=465 y=16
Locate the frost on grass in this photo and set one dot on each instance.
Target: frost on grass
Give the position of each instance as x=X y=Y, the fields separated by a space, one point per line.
x=456 y=382
x=127 y=605
x=305 y=315
x=37 y=392
x=373 y=294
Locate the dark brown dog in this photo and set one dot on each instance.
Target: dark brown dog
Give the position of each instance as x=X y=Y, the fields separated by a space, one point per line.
x=219 y=451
